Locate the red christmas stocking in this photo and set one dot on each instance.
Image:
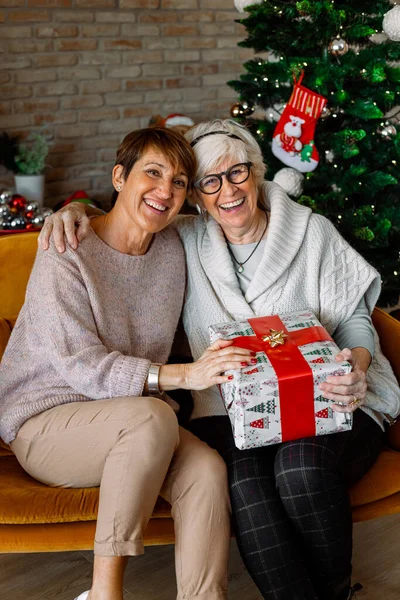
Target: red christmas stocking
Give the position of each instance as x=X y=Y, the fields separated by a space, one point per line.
x=293 y=141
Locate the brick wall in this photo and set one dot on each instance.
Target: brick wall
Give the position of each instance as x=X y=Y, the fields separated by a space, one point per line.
x=90 y=71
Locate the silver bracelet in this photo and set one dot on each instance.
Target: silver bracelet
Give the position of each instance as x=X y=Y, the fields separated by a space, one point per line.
x=152 y=379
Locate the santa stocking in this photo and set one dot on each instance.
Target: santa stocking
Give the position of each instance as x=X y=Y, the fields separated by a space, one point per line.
x=293 y=141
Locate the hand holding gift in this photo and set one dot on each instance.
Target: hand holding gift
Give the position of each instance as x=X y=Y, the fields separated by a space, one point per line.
x=283 y=396
x=350 y=389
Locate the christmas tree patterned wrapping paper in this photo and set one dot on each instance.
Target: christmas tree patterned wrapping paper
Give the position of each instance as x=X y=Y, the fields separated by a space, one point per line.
x=279 y=399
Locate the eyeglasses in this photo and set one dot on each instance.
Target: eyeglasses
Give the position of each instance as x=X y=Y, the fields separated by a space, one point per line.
x=211 y=184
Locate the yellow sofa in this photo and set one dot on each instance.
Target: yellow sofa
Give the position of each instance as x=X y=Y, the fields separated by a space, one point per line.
x=37 y=518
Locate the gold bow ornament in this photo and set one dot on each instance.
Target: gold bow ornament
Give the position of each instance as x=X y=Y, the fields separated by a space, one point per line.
x=275 y=338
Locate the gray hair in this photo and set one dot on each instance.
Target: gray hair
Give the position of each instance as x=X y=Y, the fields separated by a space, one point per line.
x=213 y=149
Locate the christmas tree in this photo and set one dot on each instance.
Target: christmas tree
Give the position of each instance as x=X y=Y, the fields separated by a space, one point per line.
x=349 y=69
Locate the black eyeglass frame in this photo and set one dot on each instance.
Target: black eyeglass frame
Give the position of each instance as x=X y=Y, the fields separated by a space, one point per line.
x=220 y=175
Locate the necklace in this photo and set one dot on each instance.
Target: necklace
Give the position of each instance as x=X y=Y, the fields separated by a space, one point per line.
x=240 y=267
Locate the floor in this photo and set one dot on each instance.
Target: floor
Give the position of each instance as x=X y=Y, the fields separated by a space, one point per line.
x=151 y=577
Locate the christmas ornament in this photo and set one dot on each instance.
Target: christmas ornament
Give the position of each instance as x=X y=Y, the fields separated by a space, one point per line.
x=32 y=206
x=18 y=202
x=38 y=220
x=290 y=180
x=326 y=112
x=391 y=24
x=242 y=4
x=17 y=223
x=293 y=137
x=4 y=211
x=338 y=47
x=387 y=130
x=46 y=211
x=241 y=109
x=5 y=196
x=17 y=214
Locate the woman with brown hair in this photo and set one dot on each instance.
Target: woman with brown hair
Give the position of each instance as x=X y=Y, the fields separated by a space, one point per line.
x=87 y=358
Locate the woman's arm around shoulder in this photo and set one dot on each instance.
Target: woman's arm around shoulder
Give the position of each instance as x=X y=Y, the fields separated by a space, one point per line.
x=71 y=222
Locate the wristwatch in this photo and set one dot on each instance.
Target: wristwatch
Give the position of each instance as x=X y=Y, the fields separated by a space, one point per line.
x=152 y=379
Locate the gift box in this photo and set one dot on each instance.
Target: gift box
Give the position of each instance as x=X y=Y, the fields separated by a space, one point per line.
x=278 y=399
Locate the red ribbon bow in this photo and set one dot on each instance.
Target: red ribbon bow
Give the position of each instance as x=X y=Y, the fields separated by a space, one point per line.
x=295 y=377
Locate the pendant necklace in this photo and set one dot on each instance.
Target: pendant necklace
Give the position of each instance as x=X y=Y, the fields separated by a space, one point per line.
x=240 y=267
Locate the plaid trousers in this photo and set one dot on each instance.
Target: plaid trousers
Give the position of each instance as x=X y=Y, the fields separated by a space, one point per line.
x=291 y=507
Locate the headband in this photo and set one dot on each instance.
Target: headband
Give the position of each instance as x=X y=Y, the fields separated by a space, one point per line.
x=231 y=135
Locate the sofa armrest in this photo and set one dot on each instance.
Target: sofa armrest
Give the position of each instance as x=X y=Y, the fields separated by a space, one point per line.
x=388 y=330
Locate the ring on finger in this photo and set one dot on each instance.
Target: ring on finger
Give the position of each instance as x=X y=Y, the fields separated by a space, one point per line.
x=355 y=400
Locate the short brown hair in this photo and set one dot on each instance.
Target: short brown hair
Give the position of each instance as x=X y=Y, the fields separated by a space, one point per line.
x=172 y=144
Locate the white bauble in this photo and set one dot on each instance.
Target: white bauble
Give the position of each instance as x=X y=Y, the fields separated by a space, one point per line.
x=290 y=180
x=391 y=24
x=242 y=4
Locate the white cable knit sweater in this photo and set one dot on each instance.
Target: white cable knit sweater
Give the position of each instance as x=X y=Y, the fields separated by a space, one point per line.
x=306 y=265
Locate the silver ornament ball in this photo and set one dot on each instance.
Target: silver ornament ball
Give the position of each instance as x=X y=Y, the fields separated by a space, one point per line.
x=5 y=196
x=32 y=206
x=4 y=211
x=291 y=181
x=38 y=219
x=18 y=223
x=387 y=131
x=242 y=4
x=46 y=211
x=326 y=112
x=338 y=47
x=391 y=24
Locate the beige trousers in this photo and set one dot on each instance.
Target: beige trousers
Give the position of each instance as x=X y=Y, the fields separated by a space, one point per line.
x=134 y=450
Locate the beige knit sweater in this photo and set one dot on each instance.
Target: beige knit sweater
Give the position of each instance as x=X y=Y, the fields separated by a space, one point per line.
x=93 y=321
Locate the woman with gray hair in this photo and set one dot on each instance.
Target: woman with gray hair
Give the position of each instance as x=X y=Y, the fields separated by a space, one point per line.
x=254 y=252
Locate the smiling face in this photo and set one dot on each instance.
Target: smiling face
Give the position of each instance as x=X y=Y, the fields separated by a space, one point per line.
x=153 y=193
x=234 y=207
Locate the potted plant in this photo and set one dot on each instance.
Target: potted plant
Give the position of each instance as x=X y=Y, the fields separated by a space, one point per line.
x=27 y=161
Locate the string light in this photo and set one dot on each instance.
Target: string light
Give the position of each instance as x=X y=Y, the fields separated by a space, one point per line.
x=265 y=78
x=259 y=131
x=394 y=162
x=339 y=216
x=395 y=272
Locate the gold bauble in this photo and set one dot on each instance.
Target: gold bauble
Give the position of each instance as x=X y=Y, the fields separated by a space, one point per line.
x=241 y=109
